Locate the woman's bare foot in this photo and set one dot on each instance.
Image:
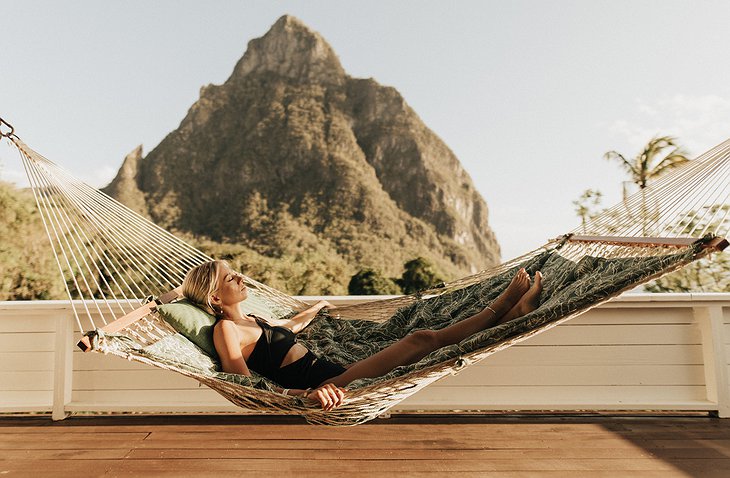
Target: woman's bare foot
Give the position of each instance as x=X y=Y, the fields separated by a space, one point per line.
x=529 y=301
x=508 y=299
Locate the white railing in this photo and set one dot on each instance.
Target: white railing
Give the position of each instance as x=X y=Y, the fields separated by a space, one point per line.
x=637 y=352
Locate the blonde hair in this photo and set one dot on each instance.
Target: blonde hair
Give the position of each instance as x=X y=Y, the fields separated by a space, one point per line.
x=200 y=282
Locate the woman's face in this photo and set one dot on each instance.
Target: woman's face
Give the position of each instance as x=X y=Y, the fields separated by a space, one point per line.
x=231 y=287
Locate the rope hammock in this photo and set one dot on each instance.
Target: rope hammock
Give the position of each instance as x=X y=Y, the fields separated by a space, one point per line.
x=110 y=257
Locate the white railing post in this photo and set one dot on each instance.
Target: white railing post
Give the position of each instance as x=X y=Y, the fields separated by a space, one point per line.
x=710 y=321
x=63 y=366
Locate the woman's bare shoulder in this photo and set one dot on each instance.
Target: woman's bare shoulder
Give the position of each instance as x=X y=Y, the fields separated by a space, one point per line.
x=231 y=330
x=225 y=328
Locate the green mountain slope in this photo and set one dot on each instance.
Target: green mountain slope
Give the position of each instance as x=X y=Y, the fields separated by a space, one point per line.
x=295 y=161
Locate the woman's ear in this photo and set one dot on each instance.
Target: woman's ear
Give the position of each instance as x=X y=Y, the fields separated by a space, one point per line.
x=214 y=299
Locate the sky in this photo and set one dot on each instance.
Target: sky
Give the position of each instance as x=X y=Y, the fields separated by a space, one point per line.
x=528 y=94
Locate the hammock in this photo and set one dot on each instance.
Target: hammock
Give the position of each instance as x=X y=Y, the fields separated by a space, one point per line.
x=109 y=257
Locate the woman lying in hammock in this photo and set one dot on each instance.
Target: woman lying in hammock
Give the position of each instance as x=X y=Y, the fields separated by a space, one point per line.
x=248 y=343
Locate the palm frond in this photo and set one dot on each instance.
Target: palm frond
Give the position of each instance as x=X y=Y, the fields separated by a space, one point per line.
x=615 y=155
x=671 y=161
x=642 y=168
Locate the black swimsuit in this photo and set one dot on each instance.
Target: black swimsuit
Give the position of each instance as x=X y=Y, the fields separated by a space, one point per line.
x=270 y=351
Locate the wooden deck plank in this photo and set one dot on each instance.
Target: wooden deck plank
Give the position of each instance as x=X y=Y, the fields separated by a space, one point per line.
x=405 y=454
x=476 y=436
x=234 y=445
x=34 y=437
x=89 y=454
x=65 y=444
x=492 y=474
x=374 y=465
x=422 y=444
x=203 y=422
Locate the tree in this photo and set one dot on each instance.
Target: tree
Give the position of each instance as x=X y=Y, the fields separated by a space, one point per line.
x=586 y=206
x=419 y=274
x=28 y=269
x=652 y=162
x=371 y=282
x=707 y=274
x=660 y=155
x=704 y=275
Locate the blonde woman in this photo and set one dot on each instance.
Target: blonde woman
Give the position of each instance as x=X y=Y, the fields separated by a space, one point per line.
x=246 y=342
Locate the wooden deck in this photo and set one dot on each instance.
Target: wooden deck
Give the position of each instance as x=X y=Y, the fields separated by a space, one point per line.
x=497 y=445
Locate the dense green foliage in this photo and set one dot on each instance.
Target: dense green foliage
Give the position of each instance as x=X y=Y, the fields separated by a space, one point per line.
x=289 y=257
x=704 y=275
x=419 y=274
x=371 y=282
x=27 y=268
x=660 y=156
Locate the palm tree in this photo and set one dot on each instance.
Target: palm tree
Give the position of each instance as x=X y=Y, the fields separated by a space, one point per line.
x=651 y=163
x=648 y=165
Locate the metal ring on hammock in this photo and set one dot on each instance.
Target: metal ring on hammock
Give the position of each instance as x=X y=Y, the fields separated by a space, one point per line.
x=459 y=364
x=9 y=134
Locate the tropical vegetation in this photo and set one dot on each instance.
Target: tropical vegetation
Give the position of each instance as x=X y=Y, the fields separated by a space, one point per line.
x=661 y=155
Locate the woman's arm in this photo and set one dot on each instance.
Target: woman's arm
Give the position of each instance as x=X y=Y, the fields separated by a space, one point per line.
x=329 y=396
x=302 y=319
x=228 y=345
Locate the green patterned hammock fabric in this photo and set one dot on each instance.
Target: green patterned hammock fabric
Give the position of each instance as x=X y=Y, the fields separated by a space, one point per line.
x=110 y=257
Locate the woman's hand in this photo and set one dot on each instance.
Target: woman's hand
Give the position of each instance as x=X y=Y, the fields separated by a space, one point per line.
x=323 y=304
x=303 y=318
x=328 y=395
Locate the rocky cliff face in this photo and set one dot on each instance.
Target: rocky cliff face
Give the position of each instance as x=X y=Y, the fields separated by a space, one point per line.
x=291 y=137
x=124 y=187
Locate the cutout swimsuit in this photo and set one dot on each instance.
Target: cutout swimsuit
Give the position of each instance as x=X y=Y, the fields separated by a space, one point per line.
x=270 y=351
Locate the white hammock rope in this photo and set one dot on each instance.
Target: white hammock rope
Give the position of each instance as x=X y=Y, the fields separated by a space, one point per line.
x=88 y=228
x=685 y=195
x=111 y=257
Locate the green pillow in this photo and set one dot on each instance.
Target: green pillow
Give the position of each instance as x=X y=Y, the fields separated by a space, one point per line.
x=192 y=322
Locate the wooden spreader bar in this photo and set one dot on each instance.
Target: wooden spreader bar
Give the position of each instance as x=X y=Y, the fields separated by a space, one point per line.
x=132 y=317
x=718 y=243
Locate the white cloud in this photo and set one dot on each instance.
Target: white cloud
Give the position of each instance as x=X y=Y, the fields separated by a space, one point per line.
x=699 y=122
x=13 y=172
x=11 y=169
x=99 y=177
x=15 y=176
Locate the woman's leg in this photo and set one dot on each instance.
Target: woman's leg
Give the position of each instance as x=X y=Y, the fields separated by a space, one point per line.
x=422 y=342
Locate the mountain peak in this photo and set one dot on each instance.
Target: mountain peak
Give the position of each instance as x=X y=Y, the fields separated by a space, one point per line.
x=300 y=167
x=294 y=51
x=124 y=186
x=289 y=21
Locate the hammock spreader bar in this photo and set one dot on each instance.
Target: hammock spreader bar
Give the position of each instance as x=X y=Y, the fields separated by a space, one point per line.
x=718 y=243
x=125 y=321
